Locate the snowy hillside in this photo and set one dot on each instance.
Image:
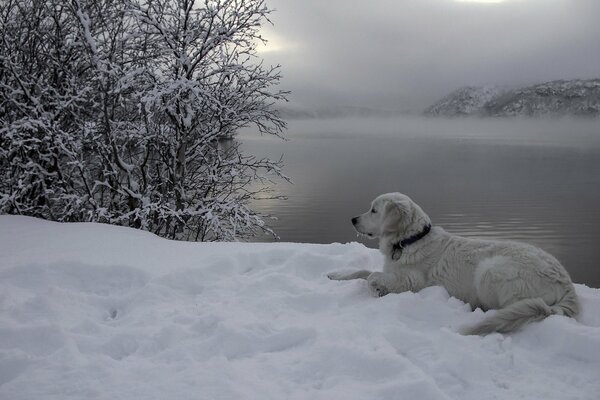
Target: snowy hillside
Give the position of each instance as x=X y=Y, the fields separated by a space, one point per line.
x=556 y=98
x=91 y=311
x=464 y=101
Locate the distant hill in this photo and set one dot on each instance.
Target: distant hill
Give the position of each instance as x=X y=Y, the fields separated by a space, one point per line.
x=557 y=98
x=468 y=100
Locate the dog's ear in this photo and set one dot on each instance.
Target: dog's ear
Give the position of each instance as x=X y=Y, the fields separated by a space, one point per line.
x=390 y=207
x=394 y=214
x=394 y=206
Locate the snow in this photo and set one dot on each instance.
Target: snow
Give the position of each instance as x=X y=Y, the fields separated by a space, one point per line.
x=468 y=100
x=575 y=97
x=102 y=312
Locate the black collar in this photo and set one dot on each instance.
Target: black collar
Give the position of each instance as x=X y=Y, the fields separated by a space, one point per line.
x=397 y=248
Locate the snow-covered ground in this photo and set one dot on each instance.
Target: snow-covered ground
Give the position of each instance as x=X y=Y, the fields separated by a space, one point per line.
x=91 y=311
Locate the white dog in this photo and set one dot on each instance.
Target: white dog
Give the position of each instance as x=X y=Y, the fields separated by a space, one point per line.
x=525 y=283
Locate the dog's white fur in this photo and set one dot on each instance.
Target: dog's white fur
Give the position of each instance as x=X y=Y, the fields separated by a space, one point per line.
x=523 y=282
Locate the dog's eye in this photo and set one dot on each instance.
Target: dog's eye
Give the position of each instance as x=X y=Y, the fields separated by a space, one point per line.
x=373 y=211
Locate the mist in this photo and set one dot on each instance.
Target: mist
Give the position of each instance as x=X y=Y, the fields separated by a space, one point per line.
x=404 y=55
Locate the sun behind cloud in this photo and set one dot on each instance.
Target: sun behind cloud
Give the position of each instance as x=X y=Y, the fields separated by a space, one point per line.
x=481 y=1
x=274 y=43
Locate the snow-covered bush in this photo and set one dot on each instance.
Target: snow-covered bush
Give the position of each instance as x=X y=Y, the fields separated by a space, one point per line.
x=117 y=111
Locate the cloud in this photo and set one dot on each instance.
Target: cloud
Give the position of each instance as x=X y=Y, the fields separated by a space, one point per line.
x=402 y=54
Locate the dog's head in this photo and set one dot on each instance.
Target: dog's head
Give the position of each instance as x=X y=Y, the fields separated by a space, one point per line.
x=393 y=215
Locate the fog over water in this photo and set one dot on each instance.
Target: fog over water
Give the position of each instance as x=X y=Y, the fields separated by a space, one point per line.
x=532 y=180
x=406 y=54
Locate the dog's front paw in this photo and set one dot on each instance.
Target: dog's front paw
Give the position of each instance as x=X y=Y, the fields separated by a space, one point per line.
x=337 y=276
x=377 y=285
x=346 y=276
x=377 y=289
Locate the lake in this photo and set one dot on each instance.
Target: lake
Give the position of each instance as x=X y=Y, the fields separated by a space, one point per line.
x=536 y=181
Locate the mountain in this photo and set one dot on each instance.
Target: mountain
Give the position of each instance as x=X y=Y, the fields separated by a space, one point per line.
x=468 y=100
x=557 y=98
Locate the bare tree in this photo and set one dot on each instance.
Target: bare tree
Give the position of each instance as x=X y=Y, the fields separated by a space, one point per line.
x=149 y=91
x=42 y=101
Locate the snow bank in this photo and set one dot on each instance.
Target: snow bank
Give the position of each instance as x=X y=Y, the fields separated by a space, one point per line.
x=96 y=311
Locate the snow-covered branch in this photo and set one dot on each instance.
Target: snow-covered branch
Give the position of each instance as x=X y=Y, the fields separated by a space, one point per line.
x=116 y=111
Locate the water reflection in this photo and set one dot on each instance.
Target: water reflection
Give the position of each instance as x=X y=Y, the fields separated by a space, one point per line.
x=535 y=181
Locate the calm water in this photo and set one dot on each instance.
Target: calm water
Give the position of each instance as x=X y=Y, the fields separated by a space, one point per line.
x=534 y=181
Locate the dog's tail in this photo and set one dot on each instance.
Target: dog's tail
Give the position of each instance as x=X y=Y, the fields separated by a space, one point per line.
x=521 y=312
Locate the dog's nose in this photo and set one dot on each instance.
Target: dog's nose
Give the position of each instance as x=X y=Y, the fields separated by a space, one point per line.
x=354 y=220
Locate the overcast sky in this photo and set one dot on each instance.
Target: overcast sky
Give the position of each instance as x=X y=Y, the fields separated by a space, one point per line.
x=404 y=54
